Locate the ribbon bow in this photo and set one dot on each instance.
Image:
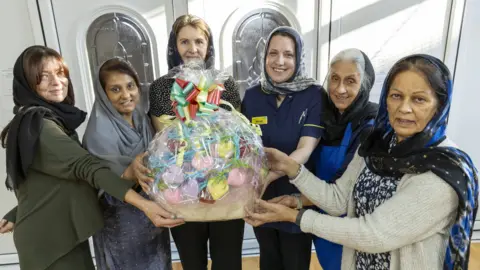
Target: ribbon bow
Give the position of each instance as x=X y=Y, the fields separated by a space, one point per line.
x=190 y=100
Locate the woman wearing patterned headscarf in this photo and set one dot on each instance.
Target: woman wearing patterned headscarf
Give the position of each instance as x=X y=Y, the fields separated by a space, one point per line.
x=191 y=40
x=118 y=131
x=410 y=194
x=287 y=106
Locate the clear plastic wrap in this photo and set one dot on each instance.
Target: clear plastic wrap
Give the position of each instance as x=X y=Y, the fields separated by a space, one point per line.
x=207 y=165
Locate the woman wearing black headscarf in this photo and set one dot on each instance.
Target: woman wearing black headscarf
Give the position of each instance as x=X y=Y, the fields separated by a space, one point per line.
x=53 y=177
x=191 y=40
x=410 y=194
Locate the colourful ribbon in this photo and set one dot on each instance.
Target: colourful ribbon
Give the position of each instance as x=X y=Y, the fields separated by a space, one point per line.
x=190 y=100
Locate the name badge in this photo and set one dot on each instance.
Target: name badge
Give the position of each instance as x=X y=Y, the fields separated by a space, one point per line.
x=260 y=120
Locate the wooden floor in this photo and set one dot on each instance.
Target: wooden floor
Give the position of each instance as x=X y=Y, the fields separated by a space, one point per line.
x=251 y=263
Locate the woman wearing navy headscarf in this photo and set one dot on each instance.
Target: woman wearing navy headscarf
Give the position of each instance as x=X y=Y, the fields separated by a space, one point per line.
x=287 y=106
x=191 y=40
x=410 y=194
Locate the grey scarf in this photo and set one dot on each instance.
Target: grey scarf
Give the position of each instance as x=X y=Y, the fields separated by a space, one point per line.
x=111 y=137
x=299 y=81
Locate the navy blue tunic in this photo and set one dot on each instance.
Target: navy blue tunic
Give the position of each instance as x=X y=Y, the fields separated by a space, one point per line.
x=282 y=127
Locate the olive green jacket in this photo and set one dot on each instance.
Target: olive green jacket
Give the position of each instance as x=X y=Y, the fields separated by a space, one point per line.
x=57 y=204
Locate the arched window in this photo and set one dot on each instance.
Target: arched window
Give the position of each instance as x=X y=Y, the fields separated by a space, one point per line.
x=249 y=39
x=119 y=35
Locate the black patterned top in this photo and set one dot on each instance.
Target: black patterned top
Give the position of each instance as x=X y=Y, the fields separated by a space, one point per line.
x=161 y=104
x=371 y=191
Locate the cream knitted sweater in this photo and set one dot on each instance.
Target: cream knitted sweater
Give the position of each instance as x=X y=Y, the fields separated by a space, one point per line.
x=413 y=225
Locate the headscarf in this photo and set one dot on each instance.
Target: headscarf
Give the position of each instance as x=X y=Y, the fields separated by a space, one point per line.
x=174 y=59
x=361 y=108
x=421 y=153
x=110 y=137
x=299 y=80
x=30 y=110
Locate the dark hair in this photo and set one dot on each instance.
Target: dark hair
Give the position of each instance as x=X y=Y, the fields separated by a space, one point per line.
x=33 y=62
x=284 y=34
x=433 y=74
x=117 y=65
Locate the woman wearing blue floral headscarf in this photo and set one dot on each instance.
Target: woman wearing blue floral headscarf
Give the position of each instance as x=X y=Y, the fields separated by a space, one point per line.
x=410 y=194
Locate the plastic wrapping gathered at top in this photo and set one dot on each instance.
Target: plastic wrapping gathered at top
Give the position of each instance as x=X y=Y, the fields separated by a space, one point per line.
x=209 y=165
x=196 y=91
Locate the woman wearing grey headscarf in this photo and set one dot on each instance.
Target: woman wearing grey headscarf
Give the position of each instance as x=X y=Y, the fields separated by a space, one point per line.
x=118 y=131
x=287 y=105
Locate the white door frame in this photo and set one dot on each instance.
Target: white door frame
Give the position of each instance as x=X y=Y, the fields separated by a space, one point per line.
x=454 y=34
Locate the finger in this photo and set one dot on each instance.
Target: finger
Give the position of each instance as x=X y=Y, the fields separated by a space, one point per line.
x=140 y=161
x=179 y=224
x=145 y=187
x=269 y=150
x=5 y=228
x=167 y=222
x=142 y=169
x=277 y=199
x=248 y=213
x=144 y=178
x=268 y=206
x=262 y=218
x=254 y=223
x=3 y=222
x=9 y=227
x=139 y=169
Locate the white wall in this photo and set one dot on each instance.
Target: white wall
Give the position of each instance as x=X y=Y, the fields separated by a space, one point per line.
x=464 y=126
x=16 y=32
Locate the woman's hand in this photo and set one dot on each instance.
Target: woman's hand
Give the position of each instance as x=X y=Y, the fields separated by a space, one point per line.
x=6 y=226
x=271 y=212
x=141 y=172
x=272 y=176
x=159 y=216
x=286 y=200
x=281 y=162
